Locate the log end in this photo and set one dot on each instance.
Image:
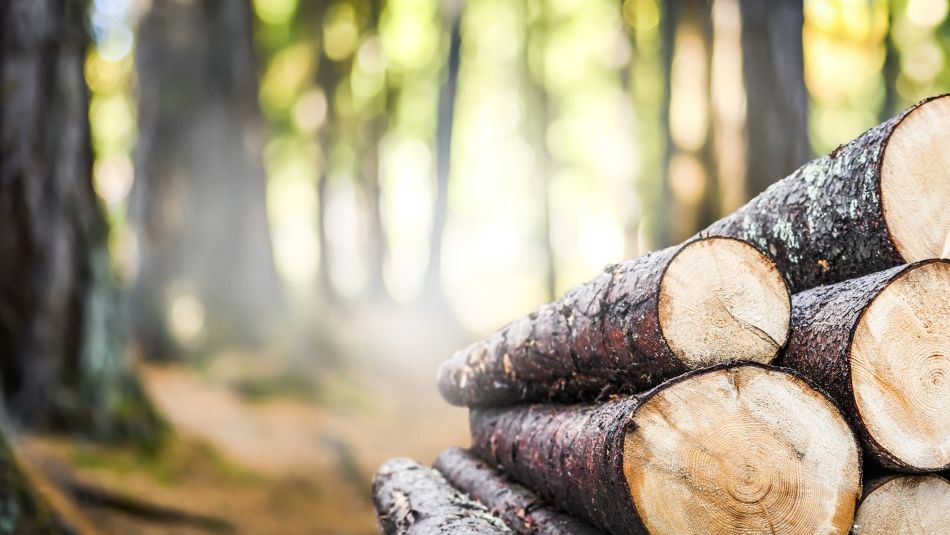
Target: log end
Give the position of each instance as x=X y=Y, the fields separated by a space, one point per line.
x=743 y=449
x=723 y=300
x=915 y=182
x=900 y=367
x=905 y=504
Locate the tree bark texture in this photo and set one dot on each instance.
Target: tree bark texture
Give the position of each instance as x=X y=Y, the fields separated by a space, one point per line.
x=824 y=223
x=518 y=506
x=571 y=455
x=617 y=333
x=773 y=71
x=199 y=199
x=603 y=336
x=413 y=499
x=582 y=457
x=824 y=321
x=61 y=335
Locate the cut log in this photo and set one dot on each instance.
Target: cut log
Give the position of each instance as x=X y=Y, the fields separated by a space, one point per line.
x=872 y=204
x=710 y=301
x=518 y=506
x=413 y=499
x=880 y=345
x=731 y=449
x=904 y=504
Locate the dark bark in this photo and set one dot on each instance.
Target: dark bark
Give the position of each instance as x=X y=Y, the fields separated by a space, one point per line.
x=518 y=506
x=61 y=335
x=574 y=455
x=571 y=455
x=413 y=499
x=443 y=156
x=199 y=199
x=824 y=320
x=824 y=223
x=601 y=337
x=328 y=77
x=773 y=70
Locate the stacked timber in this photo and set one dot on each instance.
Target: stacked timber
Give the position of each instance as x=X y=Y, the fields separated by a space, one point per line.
x=685 y=391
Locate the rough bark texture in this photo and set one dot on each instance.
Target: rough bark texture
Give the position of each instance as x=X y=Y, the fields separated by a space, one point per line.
x=518 y=506
x=61 y=335
x=601 y=337
x=570 y=455
x=198 y=202
x=413 y=499
x=824 y=223
x=823 y=323
x=773 y=75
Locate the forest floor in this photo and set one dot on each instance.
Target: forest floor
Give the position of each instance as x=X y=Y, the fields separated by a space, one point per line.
x=257 y=450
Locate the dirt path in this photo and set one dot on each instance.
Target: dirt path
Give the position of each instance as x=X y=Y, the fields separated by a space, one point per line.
x=283 y=465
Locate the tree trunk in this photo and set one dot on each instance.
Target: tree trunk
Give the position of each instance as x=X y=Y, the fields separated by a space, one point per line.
x=443 y=157
x=61 y=335
x=412 y=499
x=638 y=323
x=199 y=201
x=708 y=452
x=879 y=345
x=904 y=504
x=520 y=508
x=874 y=203
x=773 y=69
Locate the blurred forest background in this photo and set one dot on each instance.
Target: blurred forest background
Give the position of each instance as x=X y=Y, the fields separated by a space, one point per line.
x=240 y=235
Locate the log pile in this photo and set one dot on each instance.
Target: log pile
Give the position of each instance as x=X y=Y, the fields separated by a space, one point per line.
x=746 y=381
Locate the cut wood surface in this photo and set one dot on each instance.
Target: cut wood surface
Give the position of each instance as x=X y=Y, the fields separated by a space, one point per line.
x=417 y=500
x=880 y=345
x=731 y=449
x=642 y=321
x=518 y=506
x=877 y=202
x=905 y=504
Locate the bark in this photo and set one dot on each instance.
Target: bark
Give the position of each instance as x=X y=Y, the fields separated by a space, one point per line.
x=518 y=506
x=61 y=333
x=824 y=321
x=576 y=456
x=570 y=455
x=824 y=223
x=413 y=499
x=773 y=73
x=198 y=203
x=603 y=337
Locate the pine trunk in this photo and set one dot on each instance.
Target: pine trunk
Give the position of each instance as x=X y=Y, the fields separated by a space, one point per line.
x=413 y=499
x=751 y=464
x=879 y=345
x=872 y=204
x=199 y=199
x=774 y=80
x=518 y=506
x=637 y=324
x=61 y=335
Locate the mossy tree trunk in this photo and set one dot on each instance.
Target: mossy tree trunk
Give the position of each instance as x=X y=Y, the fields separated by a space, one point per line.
x=61 y=343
